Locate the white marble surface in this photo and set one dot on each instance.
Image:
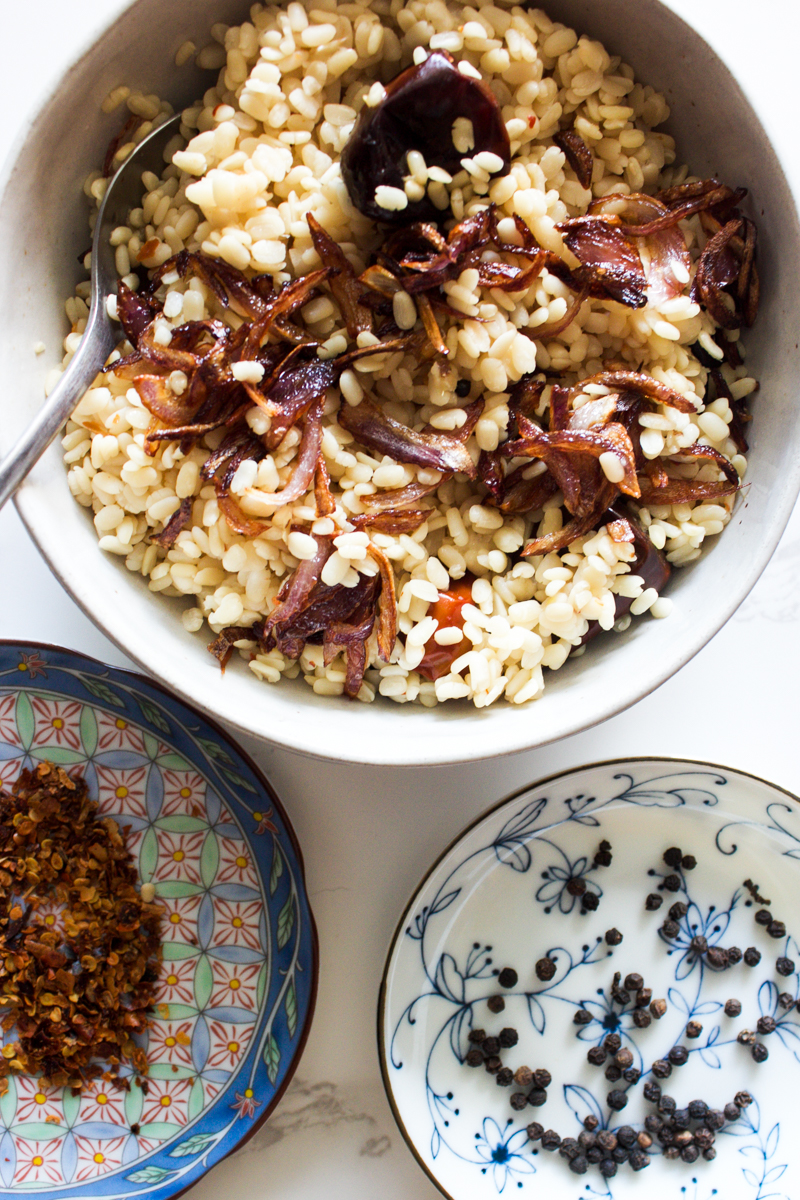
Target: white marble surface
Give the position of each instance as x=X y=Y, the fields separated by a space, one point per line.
x=368 y=835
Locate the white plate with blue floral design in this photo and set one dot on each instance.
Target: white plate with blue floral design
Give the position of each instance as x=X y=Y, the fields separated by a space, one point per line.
x=238 y=982
x=510 y=892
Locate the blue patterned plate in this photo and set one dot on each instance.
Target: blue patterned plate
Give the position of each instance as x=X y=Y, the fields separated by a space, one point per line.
x=510 y=892
x=239 y=975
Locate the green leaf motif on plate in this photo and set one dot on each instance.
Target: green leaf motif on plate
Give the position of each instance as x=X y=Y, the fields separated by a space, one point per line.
x=174 y=762
x=148 y=856
x=59 y=755
x=261 y=985
x=163 y=1070
x=193 y=1145
x=178 y=889
x=176 y=1012
x=290 y=1004
x=88 y=730
x=25 y=720
x=96 y=687
x=177 y=951
x=154 y=715
x=214 y=750
x=237 y=780
x=71 y=1105
x=181 y=824
x=8 y=1103
x=38 y=1131
x=286 y=921
x=150 y=1175
x=203 y=982
x=134 y=1102
x=197 y=1099
x=277 y=867
x=272 y=1057
x=209 y=859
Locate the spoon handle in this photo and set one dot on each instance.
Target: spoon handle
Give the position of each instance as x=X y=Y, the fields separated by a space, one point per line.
x=95 y=346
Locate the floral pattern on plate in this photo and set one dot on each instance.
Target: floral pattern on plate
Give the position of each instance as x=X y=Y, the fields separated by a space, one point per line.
x=500 y=897
x=238 y=979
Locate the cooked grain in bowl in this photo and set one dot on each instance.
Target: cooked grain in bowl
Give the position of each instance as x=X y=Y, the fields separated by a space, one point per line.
x=552 y=417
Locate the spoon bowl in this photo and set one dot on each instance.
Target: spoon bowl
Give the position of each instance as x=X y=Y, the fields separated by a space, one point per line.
x=100 y=335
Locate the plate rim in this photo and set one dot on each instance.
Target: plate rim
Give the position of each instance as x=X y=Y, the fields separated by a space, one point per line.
x=463 y=833
x=263 y=781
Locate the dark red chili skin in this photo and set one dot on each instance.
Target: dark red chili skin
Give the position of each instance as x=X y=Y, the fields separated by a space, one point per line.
x=448 y=611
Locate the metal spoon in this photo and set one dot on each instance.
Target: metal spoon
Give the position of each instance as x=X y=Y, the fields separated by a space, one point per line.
x=124 y=192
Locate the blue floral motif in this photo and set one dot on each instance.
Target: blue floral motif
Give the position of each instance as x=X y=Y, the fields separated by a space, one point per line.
x=501 y=1151
x=458 y=983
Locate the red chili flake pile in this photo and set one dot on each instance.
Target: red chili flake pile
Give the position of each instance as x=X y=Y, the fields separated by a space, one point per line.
x=73 y=992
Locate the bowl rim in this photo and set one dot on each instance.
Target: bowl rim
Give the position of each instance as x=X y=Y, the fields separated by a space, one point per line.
x=462 y=833
x=81 y=660
x=338 y=736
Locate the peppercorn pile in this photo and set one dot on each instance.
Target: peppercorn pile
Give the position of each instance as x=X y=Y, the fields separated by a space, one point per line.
x=74 y=993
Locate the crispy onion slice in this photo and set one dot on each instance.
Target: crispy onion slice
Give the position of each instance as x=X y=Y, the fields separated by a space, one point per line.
x=668 y=254
x=398 y=498
x=637 y=381
x=392 y=521
x=377 y=431
x=553 y=447
x=717 y=269
x=342 y=278
x=610 y=266
x=175 y=525
x=305 y=467
x=577 y=154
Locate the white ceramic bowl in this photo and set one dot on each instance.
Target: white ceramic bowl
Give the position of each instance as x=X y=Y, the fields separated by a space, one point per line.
x=717 y=131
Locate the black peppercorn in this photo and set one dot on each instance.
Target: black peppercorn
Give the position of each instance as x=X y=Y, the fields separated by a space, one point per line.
x=653 y=902
x=653 y=1122
x=626 y=1137
x=644 y=1141
x=786 y=1000
x=665 y=1136
x=602 y=859
x=678 y=1056
x=699 y=944
x=765 y=1024
x=670 y=929
x=652 y=1092
x=641 y=1018
x=493 y=1065
x=672 y=883
x=662 y=1069
x=613 y=937
x=569 y=1148
x=582 y=1017
x=586 y=1139
x=623 y=1058
x=681 y=1121
x=507 y=1038
x=717 y=958
x=638 y=1160
x=703 y=1138
x=678 y=910
x=607 y=1168
x=576 y=886
x=542 y=1077
x=495 y=1004
x=690 y=1154
x=763 y=917
x=523 y=1076
x=688 y=862
x=545 y=969
x=697 y=1109
x=658 y=1008
x=606 y=1140
x=534 y=1131
x=508 y=977
x=694 y=1029
x=785 y=966
x=590 y=1123
x=683 y=1138
x=667 y=1105
x=477 y=1035
x=504 y=1077
x=734 y=956
x=733 y=1008
x=672 y=1152
x=620 y=1155
x=491 y=1046
x=631 y=1074
x=594 y=1155
x=596 y=1056
x=743 y=1099
x=613 y=1073
x=463 y=388
x=710 y=1154
x=550 y=1139
x=777 y=929
x=673 y=856
x=714 y=1119
x=612 y=1042
x=590 y=902
x=633 y=982
x=474 y=1058
x=752 y=957
x=617 y=1100
x=731 y=1111
x=579 y=1165
x=643 y=997
x=537 y=1097
x=518 y=1101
